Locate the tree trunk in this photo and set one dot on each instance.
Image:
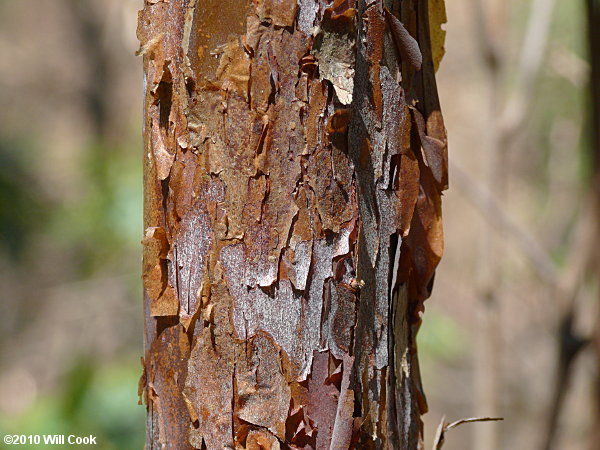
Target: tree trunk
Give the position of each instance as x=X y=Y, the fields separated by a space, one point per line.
x=294 y=160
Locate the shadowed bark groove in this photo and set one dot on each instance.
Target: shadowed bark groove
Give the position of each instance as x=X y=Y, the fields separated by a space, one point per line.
x=293 y=168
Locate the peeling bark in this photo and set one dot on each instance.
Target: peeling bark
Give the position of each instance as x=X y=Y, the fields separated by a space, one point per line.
x=295 y=155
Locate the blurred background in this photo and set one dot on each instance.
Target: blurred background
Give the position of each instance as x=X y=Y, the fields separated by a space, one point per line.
x=516 y=284
x=70 y=220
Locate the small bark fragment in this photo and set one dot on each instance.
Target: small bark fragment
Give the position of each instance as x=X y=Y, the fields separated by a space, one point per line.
x=208 y=394
x=407 y=46
x=334 y=49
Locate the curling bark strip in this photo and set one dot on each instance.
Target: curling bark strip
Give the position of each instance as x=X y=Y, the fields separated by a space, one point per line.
x=293 y=166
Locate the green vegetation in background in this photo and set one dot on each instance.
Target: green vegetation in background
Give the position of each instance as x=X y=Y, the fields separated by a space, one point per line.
x=94 y=398
x=100 y=232
x=106 y=222
x=440 y=339
x=22 y=205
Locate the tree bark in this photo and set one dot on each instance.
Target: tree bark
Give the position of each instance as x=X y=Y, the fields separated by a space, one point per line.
x=294 y=158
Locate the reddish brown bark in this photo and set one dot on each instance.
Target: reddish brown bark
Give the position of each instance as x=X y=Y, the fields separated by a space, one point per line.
x=294 y=164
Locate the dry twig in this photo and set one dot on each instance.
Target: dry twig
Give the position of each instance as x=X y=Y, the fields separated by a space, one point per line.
x=440 y=435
